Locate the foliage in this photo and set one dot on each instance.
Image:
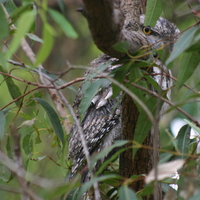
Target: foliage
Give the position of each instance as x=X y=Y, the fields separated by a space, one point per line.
x=33 y=137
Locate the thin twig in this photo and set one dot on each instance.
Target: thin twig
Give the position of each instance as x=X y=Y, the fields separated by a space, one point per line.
x=10 y=189
x=168 y=102
x=83 y=140
x=18 y=98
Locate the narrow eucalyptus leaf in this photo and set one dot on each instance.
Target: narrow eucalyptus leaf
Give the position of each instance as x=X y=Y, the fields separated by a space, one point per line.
x=121 y=47
x=5 y=173
x=20 y=11
x=34 y=37
x=119 y=75
x=2 y=124
x=188 y=65
x=125 y=193
x=183 y=139
x=64 y=24
x=53 y=118
x=144 y=124
x=153 y=12
x=47 y=45
x=28 y=19
x=192 y=125
x=10 y=6
x=68 y=189
x=3 y=24
x=183 y=43
x=142 y=130
x=89 y=94
x=106 y=151
x=111 y=159
x=27 y=144
x=12 y=87
x=89 y=184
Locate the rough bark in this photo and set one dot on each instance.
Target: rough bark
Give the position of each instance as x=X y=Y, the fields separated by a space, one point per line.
x=144 y=158
x=130 y=115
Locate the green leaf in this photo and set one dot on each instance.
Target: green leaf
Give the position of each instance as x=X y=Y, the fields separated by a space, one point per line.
x=121 y=47
x=106 y=151
x=53 y=118
x=10 y=6
x=5 y=173
x=195 y=45
x=67 y=189
x=24 y=24
x=13 y=89
x=120 y=74
x=2 y=124
x=89 y=93
x=183 y=139
x=47 y=45
x=136 y=76
x=125 y=193
x=192 y=125
x=98 y=70
x=25 y=116
x=9 y=149
x=34 y=37
x=3 y=24
x=3 y=63
x=144 y=124
x=89 y=184
x=183 y=43
x=27 y=144
x=189 y=63
x=20 y=11
x=108 y=161
x=148 y=190
x=31 y=102
x=64 y=24
x=153 y=12
x=164 y=157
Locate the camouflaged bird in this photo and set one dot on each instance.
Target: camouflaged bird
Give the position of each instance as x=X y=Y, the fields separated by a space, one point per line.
x=102 y=121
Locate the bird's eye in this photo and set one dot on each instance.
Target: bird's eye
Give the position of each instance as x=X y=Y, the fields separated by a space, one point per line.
x=146 y=30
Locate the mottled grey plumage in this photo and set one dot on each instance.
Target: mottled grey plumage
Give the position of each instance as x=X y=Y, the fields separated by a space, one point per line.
x=102 y=121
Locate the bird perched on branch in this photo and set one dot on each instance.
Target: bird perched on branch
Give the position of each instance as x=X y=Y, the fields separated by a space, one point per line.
x=101 y=122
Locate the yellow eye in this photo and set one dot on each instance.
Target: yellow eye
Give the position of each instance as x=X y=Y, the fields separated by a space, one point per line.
x=146 y=30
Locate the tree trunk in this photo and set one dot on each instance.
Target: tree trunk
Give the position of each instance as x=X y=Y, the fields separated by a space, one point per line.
x=107 y=20
x=143 y=160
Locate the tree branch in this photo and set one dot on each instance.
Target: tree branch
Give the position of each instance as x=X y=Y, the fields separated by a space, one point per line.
x=111 y=22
